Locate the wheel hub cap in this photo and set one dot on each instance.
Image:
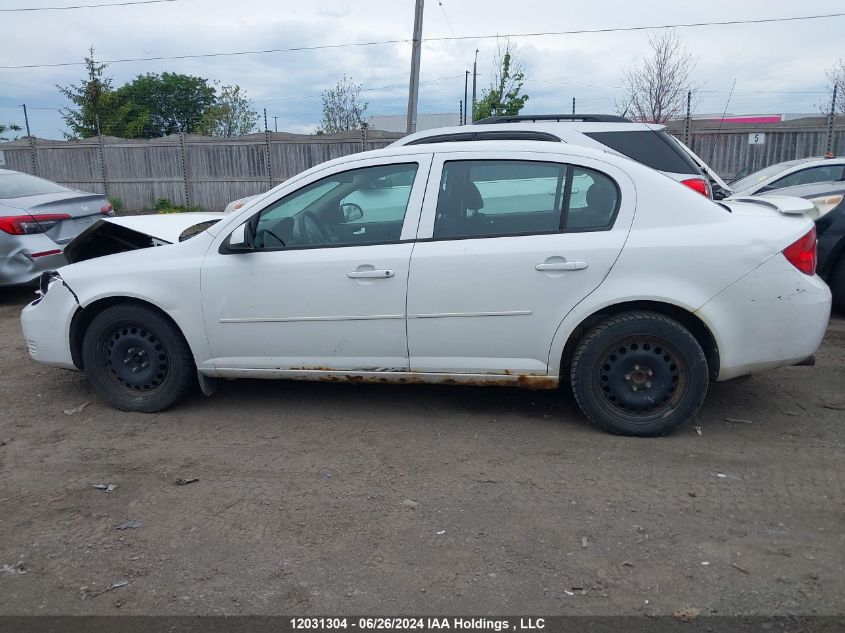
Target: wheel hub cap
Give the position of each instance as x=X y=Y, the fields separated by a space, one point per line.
x=135 y=358
x=639 y=376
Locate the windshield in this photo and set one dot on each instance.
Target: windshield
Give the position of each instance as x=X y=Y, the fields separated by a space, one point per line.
x=758 y=176
x=16 y=185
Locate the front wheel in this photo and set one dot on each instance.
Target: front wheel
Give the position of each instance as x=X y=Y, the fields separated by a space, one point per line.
x=639 y=373
x=137 y=359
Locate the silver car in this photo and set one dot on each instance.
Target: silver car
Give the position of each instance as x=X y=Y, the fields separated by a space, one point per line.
x=37 y=219
x=791 y=173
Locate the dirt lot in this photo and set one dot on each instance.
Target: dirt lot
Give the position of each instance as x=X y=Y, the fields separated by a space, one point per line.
x=321 y=498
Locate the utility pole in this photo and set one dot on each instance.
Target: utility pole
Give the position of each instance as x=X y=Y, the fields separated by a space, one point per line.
x=830 y=117
x=275 y=124
x=573 y=106
x=461 y=113
x=414 y=87
x=474 y=78
x=466 y=82
x=31 y=142
x=688 y=120
x=266 y=129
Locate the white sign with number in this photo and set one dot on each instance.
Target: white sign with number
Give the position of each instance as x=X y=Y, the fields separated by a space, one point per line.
x=757 y=138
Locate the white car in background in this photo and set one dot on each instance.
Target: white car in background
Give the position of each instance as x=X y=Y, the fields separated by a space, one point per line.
x=460 y=263
x=791 y=173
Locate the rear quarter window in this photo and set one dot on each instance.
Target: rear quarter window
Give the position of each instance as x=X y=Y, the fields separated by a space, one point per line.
x=654 y=149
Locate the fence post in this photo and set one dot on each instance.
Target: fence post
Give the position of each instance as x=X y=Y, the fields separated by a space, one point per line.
x=267 y=151
x=102 y=152
x=184 y=169
x=830 y=117
x=31 y=140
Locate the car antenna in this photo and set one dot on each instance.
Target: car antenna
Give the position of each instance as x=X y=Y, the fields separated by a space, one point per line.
x=721 y=121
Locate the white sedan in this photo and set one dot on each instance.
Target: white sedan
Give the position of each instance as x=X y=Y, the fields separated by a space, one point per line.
x=518 y=263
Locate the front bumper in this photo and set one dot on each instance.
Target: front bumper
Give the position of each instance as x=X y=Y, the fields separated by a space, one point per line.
x=22 y=259
x=46 y=326
x=773 y=317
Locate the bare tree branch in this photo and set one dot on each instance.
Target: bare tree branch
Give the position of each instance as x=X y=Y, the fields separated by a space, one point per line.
x=836 y=76
x=656 y=91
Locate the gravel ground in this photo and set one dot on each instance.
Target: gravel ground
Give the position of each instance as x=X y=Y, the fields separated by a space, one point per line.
x=317 y=498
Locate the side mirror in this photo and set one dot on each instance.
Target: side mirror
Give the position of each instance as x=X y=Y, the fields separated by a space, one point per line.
x=239 y=239
x=351 y=212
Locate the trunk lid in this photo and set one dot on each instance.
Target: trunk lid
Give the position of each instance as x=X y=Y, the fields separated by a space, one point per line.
x=83 y=209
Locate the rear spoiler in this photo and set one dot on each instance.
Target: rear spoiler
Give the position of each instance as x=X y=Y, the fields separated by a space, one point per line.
x=788 y=205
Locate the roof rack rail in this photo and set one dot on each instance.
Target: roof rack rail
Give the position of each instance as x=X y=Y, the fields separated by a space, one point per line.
x=587 y=118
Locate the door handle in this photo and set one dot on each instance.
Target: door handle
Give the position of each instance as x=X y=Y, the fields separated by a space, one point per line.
x=360 y=231
x=562 y=266
x=370 y=274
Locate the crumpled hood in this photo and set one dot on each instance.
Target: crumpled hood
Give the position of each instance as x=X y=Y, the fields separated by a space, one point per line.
x=117 y=235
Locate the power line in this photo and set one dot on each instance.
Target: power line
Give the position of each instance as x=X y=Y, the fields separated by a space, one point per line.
x=637 y=28
x=433 y=39
x=85 y=6
x=449 y=24
x=317 y=47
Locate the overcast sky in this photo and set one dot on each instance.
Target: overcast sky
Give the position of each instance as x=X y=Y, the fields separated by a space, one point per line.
x=778 y=67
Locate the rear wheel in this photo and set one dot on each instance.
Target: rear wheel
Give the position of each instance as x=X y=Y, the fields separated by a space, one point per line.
x=137 y=359
x=639 y=373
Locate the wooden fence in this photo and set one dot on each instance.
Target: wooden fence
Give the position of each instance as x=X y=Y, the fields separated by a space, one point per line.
x=732 y=149
x=211 y=172
x=190 y=170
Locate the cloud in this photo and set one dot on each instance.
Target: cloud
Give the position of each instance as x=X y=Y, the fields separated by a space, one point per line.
x=764 y=59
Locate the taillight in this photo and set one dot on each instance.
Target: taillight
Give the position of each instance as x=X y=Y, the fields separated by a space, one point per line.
x=107 y=210
x=698 y=184
x=802 y=253
x=29 y=224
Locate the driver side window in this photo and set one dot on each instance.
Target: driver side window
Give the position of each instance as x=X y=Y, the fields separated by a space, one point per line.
x=360 y=206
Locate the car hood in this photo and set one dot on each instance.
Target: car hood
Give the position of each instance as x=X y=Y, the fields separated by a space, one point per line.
x=109 y=236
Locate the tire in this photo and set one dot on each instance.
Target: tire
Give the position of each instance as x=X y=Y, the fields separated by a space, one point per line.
x=640 y=374
x=837 y=285
x=137 y=359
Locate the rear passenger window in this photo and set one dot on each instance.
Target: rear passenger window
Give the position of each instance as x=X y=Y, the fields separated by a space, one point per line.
x=656 y=149
x=495 y=198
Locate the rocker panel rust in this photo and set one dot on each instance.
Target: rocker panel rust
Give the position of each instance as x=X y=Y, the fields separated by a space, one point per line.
x=325 y=374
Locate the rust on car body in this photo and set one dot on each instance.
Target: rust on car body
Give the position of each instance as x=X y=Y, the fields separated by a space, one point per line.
x=403 y=377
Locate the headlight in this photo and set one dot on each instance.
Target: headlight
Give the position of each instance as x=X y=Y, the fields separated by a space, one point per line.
x=825 y=204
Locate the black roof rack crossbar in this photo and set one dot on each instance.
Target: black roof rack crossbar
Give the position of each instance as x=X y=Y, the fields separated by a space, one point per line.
x=587 y=118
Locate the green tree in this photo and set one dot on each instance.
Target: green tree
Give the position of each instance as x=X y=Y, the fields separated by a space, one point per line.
x=231 y=115
x=97 y=106
x=89 y=99
x=12 y=127
x=341 y=109
x=175 y=102
x=503 y=96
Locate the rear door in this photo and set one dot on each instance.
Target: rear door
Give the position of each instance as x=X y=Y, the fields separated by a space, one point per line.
x=508 y=244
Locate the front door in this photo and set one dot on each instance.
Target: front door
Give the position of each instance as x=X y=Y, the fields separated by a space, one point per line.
x=507 y=247
x=324 y=286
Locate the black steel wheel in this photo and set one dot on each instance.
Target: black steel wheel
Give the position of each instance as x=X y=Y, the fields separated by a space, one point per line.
x=639 y=373
x=137 y=358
